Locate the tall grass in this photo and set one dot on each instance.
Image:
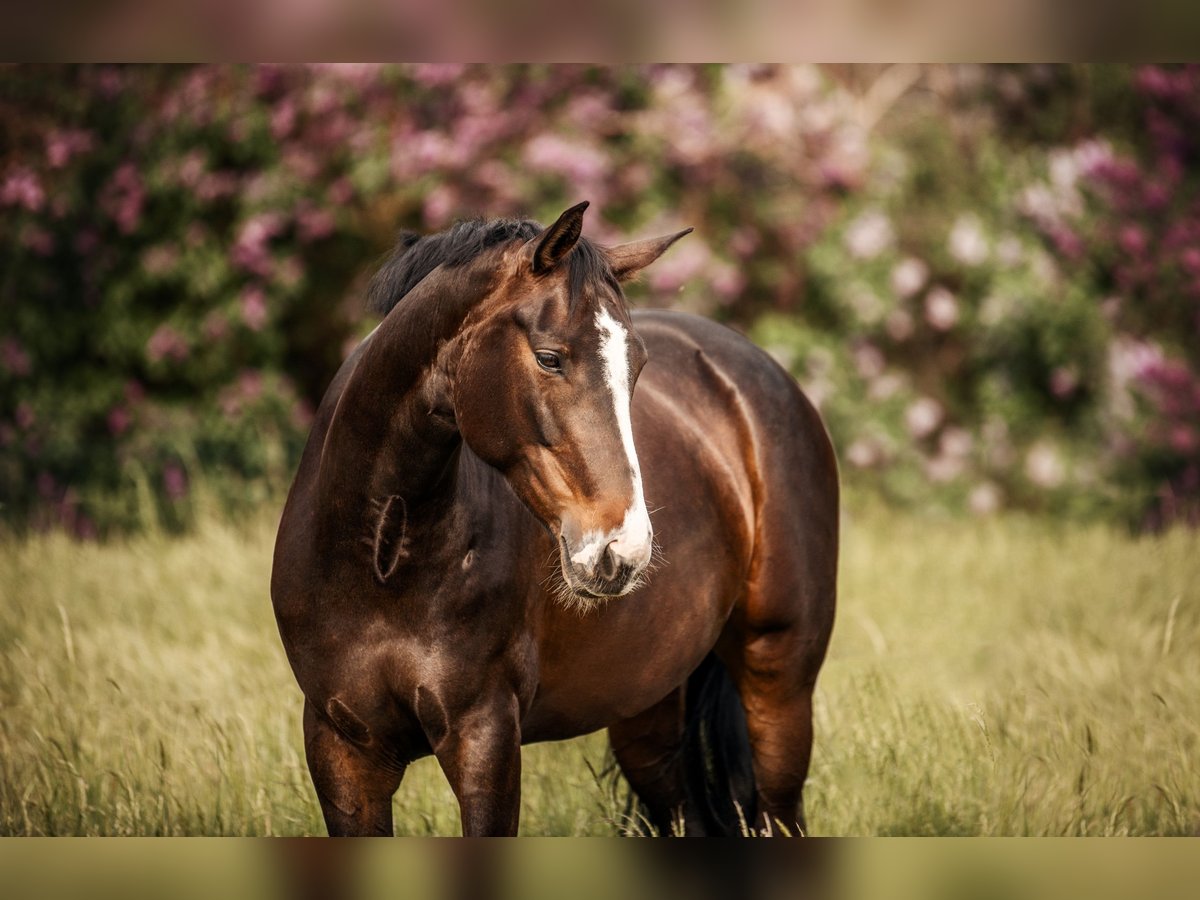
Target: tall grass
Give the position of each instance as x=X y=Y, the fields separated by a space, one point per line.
x=1013 y=676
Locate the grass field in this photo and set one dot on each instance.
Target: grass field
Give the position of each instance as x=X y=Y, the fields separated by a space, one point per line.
x=1010 y=676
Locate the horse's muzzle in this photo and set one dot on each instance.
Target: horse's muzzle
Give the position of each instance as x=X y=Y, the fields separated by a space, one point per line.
x=606 y=571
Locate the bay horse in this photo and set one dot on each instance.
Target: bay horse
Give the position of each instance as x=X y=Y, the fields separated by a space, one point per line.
x=466 y=561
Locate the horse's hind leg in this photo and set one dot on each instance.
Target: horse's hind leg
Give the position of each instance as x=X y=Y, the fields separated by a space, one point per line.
x=355 y=793
x=773 y=648
x=778 y=702
x=648 y=750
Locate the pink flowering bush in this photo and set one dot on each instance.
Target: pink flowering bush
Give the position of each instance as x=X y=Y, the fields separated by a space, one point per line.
x=989 y=283
x=187 y=247
x=1030 y=312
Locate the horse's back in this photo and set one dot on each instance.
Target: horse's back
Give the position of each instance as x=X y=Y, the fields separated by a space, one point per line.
x=776 y=462
x=712 y=370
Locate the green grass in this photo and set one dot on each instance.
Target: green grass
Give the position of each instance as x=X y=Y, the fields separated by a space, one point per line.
x=1012 y=676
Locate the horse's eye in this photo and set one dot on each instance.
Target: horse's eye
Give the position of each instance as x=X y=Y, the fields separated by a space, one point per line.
x=549 y=360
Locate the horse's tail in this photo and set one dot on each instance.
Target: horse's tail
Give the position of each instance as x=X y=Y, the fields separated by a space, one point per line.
x=716 y=752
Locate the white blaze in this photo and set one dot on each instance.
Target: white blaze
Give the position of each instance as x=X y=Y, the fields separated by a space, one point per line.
x=632 y=539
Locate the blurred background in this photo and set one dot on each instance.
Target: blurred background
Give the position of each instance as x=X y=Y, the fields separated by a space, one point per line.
x=987 y=277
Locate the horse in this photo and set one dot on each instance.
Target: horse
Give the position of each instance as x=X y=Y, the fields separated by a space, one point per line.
x=525 y=514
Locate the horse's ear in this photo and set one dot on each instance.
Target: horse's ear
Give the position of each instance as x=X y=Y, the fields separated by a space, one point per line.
x=629 y=259
x=553 y=244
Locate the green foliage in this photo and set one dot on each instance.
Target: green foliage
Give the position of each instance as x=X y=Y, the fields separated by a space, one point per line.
x=997 y=268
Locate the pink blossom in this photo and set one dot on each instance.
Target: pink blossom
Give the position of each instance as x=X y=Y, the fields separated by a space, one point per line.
x=1183 y=439
x=1044 y=466
x=1131 y=359
x=685 y=261
x=362 y=77
x=923 y=416
x=123 y=198
x=246 y=390
x=1068 y=243
x=283 y=118
x=216 y=185
x=943 y=468
x=24 y=416
x=119 y=420
x=745 y=240
x=1155 y=81
x=885 y=386
x=869 y=361
x=1092 y=155
x=254 y=308
x=432 y=75
x=440 y=205
x=869 y=234
x=967 y=243
x=1132 y=240
x=589 y=110
x=166 y=343
x=313 y=224
x=984 y=499
x=251 y=251
x=14 y=358
x=956 y=442
x=174 y=481
x=61 y=145
x=941 y=309
x=419 y=153
x=1158 y=195
x=341 y=192
x=250 y=384
x=1038 y=202
x=1063 y=381
x=110 y=81
x=302 y=414
x=191 y=169
x=574 y=160
x=22 y=187
x=303 y=162
x=474 y=133
x=496 y=179
x=727 y=280
x=909 y=276
x=864 y=453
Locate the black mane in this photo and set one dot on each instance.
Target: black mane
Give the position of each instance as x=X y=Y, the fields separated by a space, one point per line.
x=415 y=256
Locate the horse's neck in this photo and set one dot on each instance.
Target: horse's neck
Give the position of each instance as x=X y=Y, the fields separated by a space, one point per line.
x=392 y=433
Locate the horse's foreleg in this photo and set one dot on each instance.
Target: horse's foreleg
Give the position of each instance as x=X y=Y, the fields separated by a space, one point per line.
x=647 y=748
x=480 y=753
x=355 y=792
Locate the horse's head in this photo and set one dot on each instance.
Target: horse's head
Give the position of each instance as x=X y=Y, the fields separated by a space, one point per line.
x=542 y=391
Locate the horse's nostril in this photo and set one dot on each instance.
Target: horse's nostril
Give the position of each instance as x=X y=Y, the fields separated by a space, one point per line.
x=608 y=566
